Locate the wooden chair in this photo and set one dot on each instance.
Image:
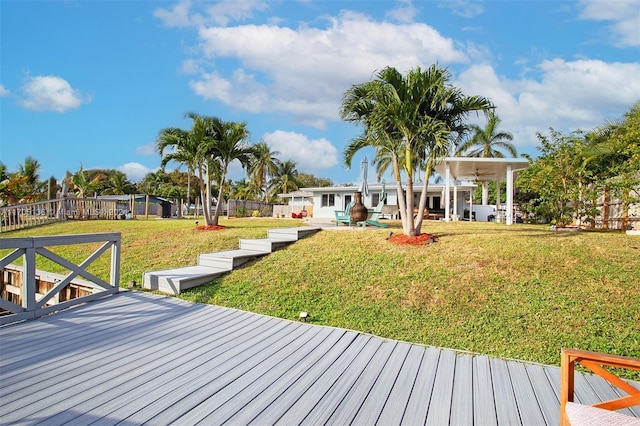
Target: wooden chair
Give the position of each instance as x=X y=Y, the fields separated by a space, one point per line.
x=574 y=414
x=342 y=216
x=373 y=219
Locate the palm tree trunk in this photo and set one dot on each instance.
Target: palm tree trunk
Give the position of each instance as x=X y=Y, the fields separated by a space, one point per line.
x=485 y=193
x=216 y=214
x=409 y=228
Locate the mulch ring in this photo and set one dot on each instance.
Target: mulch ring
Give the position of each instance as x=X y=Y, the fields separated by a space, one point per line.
x=210 y=227
x=418 y=240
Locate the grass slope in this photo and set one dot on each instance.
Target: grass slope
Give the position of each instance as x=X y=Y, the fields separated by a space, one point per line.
x=521 y=291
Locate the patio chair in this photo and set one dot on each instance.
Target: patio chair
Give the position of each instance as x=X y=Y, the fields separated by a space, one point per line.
x=342 y=216
x=373 y=220
x=575 y=414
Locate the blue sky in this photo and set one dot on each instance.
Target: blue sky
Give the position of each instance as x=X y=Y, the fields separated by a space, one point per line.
x=92 y=82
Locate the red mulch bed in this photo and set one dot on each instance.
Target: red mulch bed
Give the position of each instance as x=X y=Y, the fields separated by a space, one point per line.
x=210 y=227
x=418 y=240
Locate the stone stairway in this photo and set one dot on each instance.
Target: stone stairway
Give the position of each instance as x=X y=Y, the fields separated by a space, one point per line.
x=212 y=265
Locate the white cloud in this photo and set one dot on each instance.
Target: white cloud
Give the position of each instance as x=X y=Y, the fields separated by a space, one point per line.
x=567 y=96
x=176 y=16
x=404 y=13
x=309 y=154
x=305 y=71
x=221 y=13
x=135 y=171
x=624 y=16
x=4 y=91
x=147 y=149
x=51 y=93
x=226 y=11
x=464 y=8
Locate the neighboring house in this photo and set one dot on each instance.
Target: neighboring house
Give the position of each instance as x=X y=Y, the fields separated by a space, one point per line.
x=140 y=205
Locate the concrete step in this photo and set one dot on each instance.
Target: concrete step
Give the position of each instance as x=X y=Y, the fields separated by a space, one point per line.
x=265 y=244
x=229 y=259
x=297 y=233
x=173 y=281
x=212 y=265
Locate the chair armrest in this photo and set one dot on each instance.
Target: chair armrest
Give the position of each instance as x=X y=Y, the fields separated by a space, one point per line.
x=595 y=361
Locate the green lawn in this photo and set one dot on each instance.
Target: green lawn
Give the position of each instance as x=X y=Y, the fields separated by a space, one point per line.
x=520 y=291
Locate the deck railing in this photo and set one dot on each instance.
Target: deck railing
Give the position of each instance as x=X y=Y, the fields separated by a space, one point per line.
x=35 y=305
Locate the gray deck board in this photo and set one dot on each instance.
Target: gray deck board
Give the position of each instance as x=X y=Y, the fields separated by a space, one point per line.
x=528 y=407
x=506 y=406
x=462 y=398
x=545 y=393
x=484 y=404
x=135 y=358
x=418 y=404
x=440 y=404
x=393 y=409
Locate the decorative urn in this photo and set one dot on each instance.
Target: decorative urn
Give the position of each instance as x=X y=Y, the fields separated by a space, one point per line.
x=358 y=212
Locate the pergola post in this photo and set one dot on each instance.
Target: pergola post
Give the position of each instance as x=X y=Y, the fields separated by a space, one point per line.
x=509 y=211
x=447 y=195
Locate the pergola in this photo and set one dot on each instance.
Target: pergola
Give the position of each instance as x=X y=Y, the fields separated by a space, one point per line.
x=456 y=169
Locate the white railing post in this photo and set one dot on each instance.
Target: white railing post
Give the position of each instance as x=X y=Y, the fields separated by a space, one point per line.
x=114 y=273
x=29 y=279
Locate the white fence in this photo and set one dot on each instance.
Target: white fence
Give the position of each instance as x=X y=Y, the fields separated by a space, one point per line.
x=35 y=305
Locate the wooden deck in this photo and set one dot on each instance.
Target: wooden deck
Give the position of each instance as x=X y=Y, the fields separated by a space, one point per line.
x=136 y=358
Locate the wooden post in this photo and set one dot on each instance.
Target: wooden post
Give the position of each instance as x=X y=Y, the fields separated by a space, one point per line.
x=566 y=385
x=146 y=207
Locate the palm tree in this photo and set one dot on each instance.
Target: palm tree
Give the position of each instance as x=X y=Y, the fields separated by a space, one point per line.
x=83 y=184
x=487 y=142
x=230 y=144
x=411 y=122
x=184 y=151
x=118 y=184
x=285 y=178
x=264 y=165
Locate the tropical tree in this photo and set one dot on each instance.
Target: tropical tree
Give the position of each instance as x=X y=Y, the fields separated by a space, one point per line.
x=83 y=183
x=230 y=144
x=613 y=161
x=411 y=121
x=118 y=184
x=487 y=142
x=23 y=185
x=264 y=165
x=177 y=145
x=286 y=178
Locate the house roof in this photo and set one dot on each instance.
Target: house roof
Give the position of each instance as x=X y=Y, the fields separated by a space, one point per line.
x=476 y=169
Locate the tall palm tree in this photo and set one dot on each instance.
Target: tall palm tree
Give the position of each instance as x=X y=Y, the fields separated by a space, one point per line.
x=184 y=150
x=231 y=144
x=264 y=165
x=487 y=142
x=411 y=122
x=285 y=179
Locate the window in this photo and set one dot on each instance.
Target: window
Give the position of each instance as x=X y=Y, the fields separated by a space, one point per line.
x=347 y=200
x=328 y=200
x=375 y=199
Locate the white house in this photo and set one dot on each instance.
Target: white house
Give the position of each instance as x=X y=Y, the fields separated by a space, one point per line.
x=452 y=200
x=322 y=202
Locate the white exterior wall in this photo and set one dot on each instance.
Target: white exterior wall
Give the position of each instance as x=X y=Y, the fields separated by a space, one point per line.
x=341 y=199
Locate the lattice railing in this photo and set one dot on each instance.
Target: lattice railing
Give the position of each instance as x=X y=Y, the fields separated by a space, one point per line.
x=35 y=305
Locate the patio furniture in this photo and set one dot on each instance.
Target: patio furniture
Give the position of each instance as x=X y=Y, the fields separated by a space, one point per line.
x=342 y=216
x=373 y=220
x=600 y=413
